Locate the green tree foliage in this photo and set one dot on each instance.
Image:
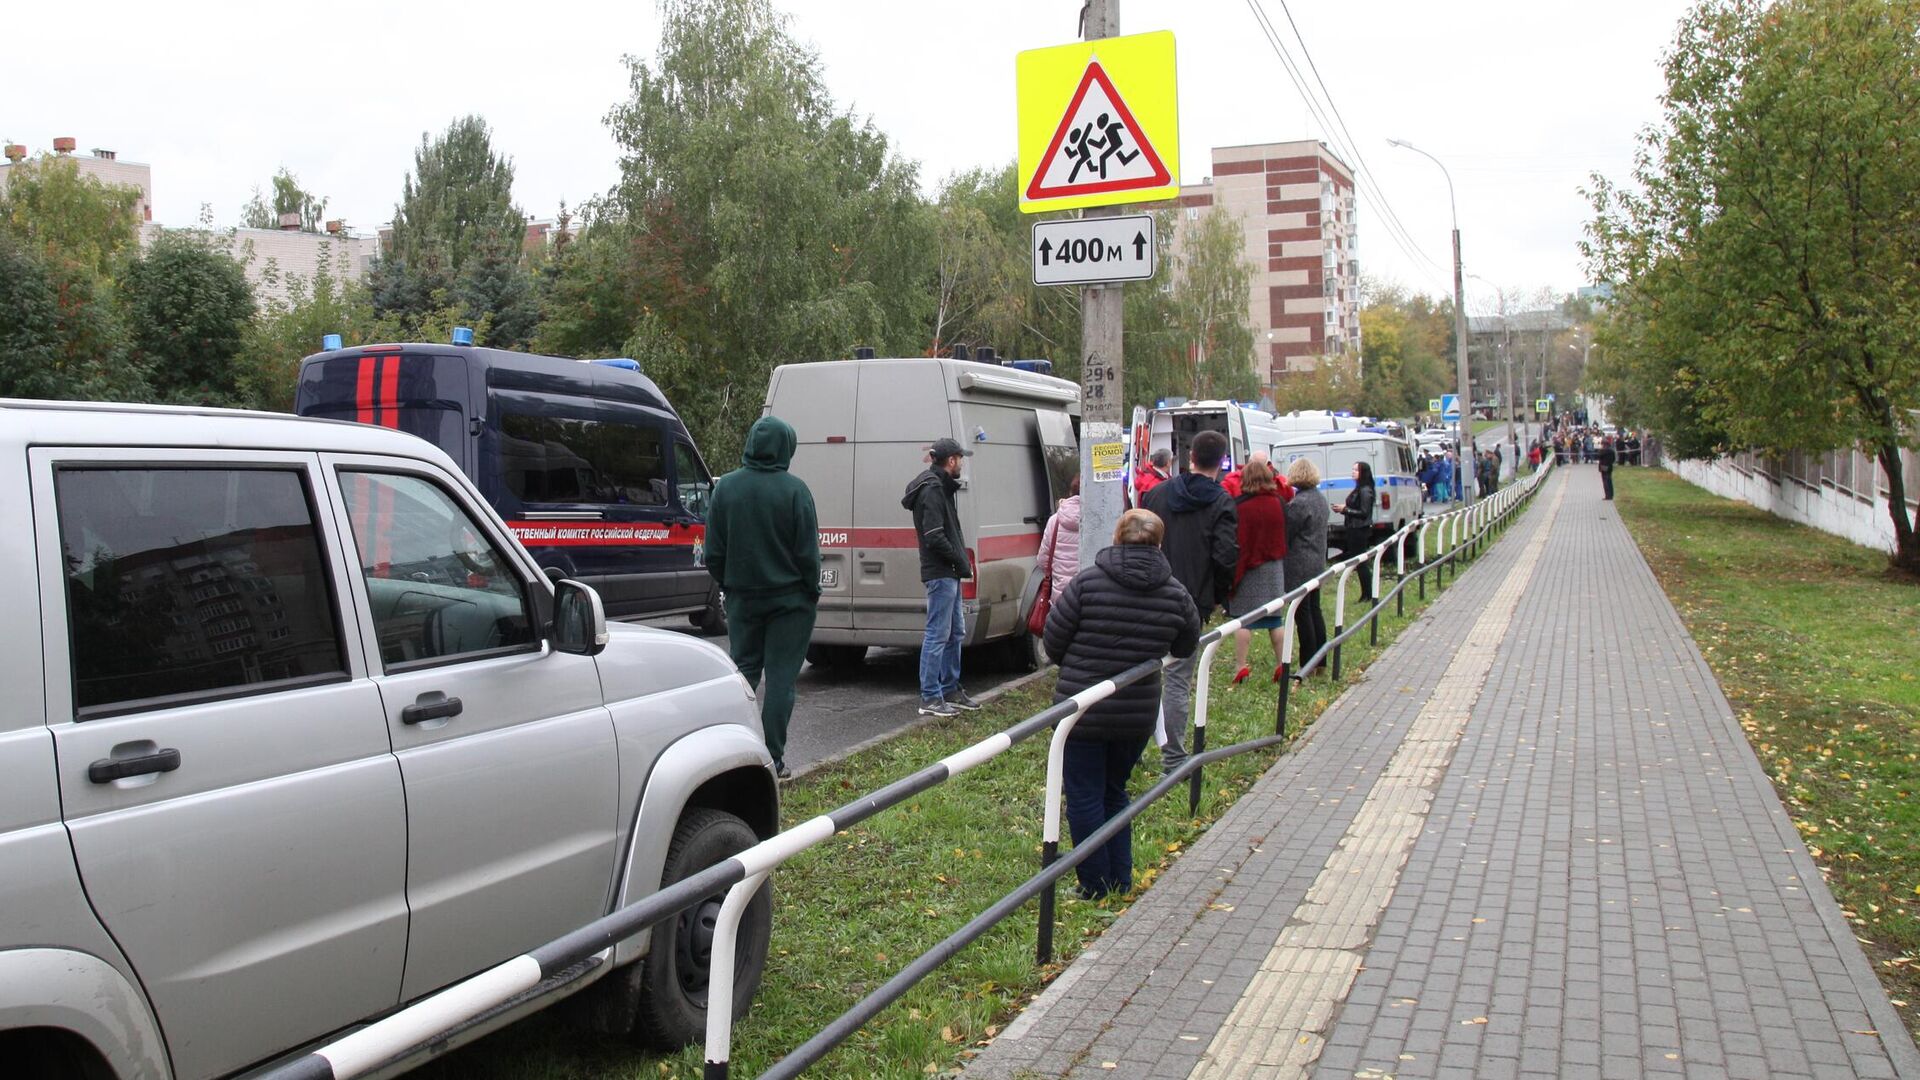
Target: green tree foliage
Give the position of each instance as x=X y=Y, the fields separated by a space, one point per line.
x=1766 y=257
x=1211 y=283
x=794 y=231
x=285 y=331
x=456 y=246
x=73 y=221
x=1407 y=344
x=288 y=198
x=187 y=308
x=983 y=287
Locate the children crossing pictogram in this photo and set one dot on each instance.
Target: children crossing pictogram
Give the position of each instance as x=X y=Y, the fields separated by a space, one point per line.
x=1098 y=146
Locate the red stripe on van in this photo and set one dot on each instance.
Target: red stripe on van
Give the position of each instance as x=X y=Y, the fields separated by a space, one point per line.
x=991 y=548
x=390 y=393
x=363 y=391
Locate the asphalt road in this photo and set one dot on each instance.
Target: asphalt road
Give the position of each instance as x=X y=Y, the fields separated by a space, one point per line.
x=840 y=709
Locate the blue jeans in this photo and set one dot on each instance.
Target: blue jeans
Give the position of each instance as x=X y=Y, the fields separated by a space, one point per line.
x=1094 y=779
x=940 y=649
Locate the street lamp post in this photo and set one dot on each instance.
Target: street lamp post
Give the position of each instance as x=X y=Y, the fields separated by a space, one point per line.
x=1464 y=438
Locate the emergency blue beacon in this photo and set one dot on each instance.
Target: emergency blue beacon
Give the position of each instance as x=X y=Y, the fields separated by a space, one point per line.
x=330 y=342
x=462 y=335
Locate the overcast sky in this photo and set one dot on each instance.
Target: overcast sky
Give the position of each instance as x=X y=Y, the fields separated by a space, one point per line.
x=1521 y=99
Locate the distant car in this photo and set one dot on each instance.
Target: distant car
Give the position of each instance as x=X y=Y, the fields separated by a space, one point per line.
x=295 y=734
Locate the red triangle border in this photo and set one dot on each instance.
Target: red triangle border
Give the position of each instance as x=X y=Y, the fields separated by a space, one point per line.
x=1160 y=178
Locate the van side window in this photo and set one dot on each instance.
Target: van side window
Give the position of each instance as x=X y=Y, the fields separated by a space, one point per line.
x=556 y=459
x=186 y=581
x=436 y=585
x=690 y=475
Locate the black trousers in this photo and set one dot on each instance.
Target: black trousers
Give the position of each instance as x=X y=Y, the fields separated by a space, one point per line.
x=1311 y=621
x=1606 y=481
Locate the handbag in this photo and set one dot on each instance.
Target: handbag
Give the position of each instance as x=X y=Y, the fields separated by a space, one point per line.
x=1043 y=600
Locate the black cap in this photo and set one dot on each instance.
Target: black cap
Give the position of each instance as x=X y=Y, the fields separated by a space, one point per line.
x=942 y=449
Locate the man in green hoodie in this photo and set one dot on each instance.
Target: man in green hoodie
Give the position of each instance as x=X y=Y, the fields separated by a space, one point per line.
x=763 y=547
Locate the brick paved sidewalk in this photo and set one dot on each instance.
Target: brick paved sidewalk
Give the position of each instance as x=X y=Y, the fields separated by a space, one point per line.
x=1532 y=841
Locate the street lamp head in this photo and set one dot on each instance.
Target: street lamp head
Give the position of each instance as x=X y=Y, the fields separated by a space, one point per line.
x=1399 y=142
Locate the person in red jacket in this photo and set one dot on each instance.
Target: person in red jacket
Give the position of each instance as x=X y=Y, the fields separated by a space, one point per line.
x=1233 y=480
x=1260 y=576
x=1158 y=468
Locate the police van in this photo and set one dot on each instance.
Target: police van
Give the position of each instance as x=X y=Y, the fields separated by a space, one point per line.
x=1396 y=485
x=587 y=461
x=864 y=426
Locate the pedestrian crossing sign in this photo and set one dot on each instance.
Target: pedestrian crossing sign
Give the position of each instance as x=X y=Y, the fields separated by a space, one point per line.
x=1433 y=404
x=1099 y=123
x=1542 y=405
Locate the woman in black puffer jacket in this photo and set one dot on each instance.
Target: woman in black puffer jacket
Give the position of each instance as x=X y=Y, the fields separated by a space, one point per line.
x=1125 y=609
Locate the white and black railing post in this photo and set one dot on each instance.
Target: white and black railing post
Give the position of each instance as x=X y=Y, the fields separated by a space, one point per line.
x=1203 y=694
x=726 y=940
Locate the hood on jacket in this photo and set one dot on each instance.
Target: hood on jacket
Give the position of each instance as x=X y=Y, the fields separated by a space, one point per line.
x=1069 y=513
x=1137 y=566
x=931 y=475
x=1192 y=491
x=770 y=443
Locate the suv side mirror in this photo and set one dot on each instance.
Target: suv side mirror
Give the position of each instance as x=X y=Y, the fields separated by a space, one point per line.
x=579 y=619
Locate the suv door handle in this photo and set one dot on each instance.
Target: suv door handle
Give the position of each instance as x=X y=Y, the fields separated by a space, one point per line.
x=107 y=770
x=432 y=705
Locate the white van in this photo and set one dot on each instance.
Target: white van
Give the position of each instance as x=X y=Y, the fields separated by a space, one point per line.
x=864 y=426
x=1391 y=458
x=1247 y=428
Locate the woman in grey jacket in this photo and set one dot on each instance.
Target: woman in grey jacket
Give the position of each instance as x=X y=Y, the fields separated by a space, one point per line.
x=1307 y=516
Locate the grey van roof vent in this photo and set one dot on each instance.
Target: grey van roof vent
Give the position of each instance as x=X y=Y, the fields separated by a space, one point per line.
x=984 y=354
x=863 y=352
x=959 y=352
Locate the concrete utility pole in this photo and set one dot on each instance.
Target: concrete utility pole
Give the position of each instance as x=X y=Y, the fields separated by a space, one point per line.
x=1102 y=375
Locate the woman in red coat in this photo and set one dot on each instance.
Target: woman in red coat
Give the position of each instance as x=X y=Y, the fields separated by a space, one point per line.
x=1260 y=577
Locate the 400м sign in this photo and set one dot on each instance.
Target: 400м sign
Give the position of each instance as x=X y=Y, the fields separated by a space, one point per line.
x=1085 y=251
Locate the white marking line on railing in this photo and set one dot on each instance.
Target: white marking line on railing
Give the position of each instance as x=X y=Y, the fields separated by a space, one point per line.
x=360 y=1052
x=777 y=849
x=1202 y=691
x=1278 y=1027
x=961 y=760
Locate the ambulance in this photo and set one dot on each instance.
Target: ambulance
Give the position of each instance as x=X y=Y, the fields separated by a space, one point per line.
x=864 y=426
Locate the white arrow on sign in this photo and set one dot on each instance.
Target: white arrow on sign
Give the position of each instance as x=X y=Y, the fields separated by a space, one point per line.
x=1087 y=251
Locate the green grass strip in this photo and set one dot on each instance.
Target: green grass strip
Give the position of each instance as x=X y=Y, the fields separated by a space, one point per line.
x=1817 y=646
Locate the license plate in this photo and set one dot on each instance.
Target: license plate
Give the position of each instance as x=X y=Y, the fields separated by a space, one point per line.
x=829 y=579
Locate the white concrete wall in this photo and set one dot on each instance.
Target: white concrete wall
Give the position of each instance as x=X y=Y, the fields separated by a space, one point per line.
x=1824 y=507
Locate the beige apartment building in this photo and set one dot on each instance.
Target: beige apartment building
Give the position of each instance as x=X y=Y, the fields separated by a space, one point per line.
x=272 y=258
x=1295 y=202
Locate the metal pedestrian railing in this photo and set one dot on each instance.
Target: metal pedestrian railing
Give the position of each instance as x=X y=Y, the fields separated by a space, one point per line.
x=1460 y=535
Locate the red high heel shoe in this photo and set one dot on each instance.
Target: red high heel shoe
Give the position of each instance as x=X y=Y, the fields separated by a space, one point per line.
x=1241 y=675
x=1279 y=671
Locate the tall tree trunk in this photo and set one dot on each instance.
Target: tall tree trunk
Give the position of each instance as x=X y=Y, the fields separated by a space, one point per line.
x=1906 y=546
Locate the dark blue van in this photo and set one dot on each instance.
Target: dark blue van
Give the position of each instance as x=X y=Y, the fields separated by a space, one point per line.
x=585 y=460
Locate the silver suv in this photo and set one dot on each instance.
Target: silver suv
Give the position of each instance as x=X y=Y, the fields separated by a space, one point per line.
x=293 y=732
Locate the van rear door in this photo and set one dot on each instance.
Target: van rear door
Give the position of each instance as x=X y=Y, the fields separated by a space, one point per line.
x=422 y=394
x=817 y=400
x=901 y=408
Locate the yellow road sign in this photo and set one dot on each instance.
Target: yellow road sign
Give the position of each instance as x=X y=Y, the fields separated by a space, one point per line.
x=1099 y=123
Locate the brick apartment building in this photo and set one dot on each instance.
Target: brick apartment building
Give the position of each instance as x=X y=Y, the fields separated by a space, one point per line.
x=1295 y=202
x=103 y=165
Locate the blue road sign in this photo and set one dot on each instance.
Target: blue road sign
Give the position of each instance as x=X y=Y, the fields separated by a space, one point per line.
x=1449 y=406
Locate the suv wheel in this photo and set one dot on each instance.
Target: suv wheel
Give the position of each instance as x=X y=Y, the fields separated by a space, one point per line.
x=672 y=1011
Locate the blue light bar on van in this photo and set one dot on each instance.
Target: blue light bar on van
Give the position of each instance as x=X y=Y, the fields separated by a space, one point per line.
x=330 y=342
x=463 y=335
x=1038 y=367
x=622 y=362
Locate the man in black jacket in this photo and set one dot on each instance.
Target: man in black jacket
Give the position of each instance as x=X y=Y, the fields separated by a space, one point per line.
x=943 y=563
x=1203 y=547
x=1607 y=458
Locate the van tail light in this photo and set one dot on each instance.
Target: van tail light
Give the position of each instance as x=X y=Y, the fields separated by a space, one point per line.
x=970 y=588
x=1386 y=500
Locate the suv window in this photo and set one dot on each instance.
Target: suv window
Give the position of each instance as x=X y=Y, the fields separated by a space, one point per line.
x=557 y=459
x=191 y=581
x=696 y=487
x=437 y=586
